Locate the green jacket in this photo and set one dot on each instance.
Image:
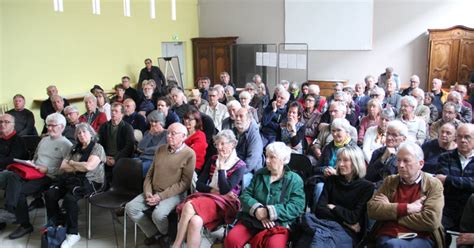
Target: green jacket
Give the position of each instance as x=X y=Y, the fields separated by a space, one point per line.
x=261 y=193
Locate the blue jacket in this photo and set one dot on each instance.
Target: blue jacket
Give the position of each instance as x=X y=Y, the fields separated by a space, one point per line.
x=271 y=123
x=250 y=148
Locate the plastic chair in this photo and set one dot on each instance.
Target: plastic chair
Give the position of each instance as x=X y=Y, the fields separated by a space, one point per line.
x=301 y=165
x=127 y=183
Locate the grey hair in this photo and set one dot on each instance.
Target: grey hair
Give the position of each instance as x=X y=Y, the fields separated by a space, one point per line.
x=280 y=150
x=356 y=156
x=285 y=94
x=415 y=78
x=401 y=128
x=90 y=96
x=230 y=89
x=156 y=115
x=226 y=134
x=437 y=80
x=420 y=92
x=284 y=81
x=57 y=118
x=455 y=94
x=411 y=100
x=217 y=87
x=245 y=94
x=84 y=126
x=313 y=88
x=341 y=123
x=368 y=77
x=377 y=91
x=387 y=114
x=251 y=85
x=341 y=94
x=255 y=77
x=449 y=104
x=70 y=109
x=233 y=103
x=413 y=149
x=342 y=106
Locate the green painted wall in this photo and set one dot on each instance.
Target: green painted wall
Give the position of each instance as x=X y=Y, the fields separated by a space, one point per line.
x=76 y=49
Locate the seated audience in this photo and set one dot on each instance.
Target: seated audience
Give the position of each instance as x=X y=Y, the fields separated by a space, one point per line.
x=292 y=132
x=11 y=144
x=249 y=145
x=440 y=95
x=392 y=98
x=463 y=113
x=119 y=94
x=216 y=200
x=72 y=117
x=163 y=105
x=294 y=90
x=340 y=96
x=303 y=92
x=92 y=116
x=311 y=117
x=448 y=115
x=375 y=136
x=421 y=110
x=434 y=148
x=229 y=93
x=416 y=126
x=257 y=80
x=414 y=84
x=389 y=74
x=51 y=151
x=147 y=102
x=216 y=110
x=321 y=103
x=262 y=93
x=153 y=138
x=116 y=136
x=203 y=85
x=253 y=99
x=461 y=89
x=136 y=120
x=409 y=202
x=220 y=94
x=456 y=173
x=232 y=107
x=195 y=99
x=196 y=139
x=46 y=107
x=343 y=203
x=129 y=91
x=225 y=80
x=273 y=115
x=360 y=98
x=384 y=160
x=180 y=106
x=434 y=114
x=354 y=109
x=272 y=201
x=24 y=118
x=82 y=174
x=103 y=104
x=370 y=84
x=245 y=98
x=165 y=186
x=374 y=110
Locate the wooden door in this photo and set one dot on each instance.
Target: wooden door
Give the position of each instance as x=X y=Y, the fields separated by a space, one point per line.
x=466 y=60
x=443 y=60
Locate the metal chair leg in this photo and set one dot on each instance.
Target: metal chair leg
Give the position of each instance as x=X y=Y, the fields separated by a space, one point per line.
x=135 y=233
x=124 y=229
x=89 y=208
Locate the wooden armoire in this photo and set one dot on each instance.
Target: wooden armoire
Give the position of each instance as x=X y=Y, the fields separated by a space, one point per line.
x=211 y=56
x=450 y=55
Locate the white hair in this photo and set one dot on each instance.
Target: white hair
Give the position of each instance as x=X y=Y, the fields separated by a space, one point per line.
x=412 y=148
x=415 y=78
x=313 y=88
x=401 y=128
x=341 y=123
x=411 y=101
x=234 y=103
x=280 y=150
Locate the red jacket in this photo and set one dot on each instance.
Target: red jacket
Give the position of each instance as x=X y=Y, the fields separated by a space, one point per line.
x=198 y=143
x=98 y=119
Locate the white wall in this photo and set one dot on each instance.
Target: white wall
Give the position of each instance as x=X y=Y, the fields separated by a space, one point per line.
x=400 y=33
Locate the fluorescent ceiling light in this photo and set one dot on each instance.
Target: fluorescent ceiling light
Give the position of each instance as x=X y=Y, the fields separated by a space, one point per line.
x=126 y=8
x=173 y=10
x=152 y=9
x=96 y=7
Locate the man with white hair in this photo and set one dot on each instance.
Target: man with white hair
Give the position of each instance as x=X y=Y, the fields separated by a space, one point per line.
x=409 y=202
x=232 y=108
x=273 y=115
x=414 y=84
x=392 y=98
x=216 y=110
x=11 y=144
x=464 y=114
x=416 y=126
x=387 y=75
x=165 y=186
x=370 y=82
x=47 y=106
x=456 y=173
x=440 y=96
x=92 y=116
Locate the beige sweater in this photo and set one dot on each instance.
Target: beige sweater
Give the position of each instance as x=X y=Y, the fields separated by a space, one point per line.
x=170 y=174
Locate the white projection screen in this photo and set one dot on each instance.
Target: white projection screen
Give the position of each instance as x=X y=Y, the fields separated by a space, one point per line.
x=330 y=24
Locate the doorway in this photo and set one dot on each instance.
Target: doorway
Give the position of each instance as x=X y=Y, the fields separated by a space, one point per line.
x=169 y=49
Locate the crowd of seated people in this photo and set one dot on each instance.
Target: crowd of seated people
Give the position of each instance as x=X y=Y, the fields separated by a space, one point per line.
x=220 y=154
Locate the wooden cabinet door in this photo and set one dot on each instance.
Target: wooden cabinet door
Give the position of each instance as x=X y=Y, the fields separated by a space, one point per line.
x=221 y=61
x=466 y=60
x=443 y=60
x=203 y=62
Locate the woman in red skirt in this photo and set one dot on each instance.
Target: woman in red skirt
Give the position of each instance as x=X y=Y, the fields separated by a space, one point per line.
x=218 y=188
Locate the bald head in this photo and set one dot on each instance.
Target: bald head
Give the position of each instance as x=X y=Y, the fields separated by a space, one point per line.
x=465 y=138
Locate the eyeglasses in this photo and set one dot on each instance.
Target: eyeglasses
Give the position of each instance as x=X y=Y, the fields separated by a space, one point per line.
x=51 y=125
x=467 y=137
x=5 y=122
x=174 y=133
x=309 y=100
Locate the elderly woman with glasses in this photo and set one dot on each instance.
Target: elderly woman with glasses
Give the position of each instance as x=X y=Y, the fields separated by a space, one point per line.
x=218 y=186
x=245 y=97
x=83 y=174
x=375 y=136
x=273 y=200
x=416 y=125
x=196 y=137
x=154 y=137
x=384 y=160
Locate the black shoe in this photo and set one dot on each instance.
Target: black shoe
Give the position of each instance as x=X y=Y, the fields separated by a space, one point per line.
x=164 y=241
x=36 y=203
x=2 y=226
x=150 y=241
x=20 y=232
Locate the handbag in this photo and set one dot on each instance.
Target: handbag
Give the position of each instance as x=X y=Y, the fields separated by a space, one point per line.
x=53 y=237
x=25 y=172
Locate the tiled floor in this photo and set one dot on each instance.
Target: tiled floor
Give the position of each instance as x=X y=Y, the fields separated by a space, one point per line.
x=106 y=232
